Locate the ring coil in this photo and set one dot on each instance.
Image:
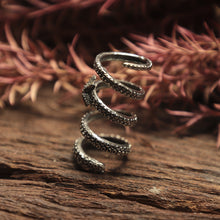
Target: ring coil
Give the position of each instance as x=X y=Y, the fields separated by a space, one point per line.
x=111 y=143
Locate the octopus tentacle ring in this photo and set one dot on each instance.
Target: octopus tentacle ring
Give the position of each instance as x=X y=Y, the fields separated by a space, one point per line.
x=110 y=143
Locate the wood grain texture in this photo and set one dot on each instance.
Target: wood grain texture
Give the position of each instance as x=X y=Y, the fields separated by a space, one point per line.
x=164 y=177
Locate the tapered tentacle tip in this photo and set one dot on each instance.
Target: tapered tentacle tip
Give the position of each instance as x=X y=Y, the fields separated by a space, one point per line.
x=83 y=161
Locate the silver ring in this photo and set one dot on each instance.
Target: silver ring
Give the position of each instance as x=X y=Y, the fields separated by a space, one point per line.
x=110 y=143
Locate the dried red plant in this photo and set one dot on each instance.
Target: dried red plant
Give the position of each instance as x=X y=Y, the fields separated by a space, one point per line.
x=23 y=69
x=186 y=70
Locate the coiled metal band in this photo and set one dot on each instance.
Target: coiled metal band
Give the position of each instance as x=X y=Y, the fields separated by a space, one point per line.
x=110 y=143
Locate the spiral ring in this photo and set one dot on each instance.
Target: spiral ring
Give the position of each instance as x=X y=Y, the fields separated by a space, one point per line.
x=110 y=143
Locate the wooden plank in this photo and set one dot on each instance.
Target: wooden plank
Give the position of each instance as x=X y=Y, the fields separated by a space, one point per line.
x=164 y=177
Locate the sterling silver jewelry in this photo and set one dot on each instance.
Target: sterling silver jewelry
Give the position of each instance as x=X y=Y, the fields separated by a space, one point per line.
x=111 y=143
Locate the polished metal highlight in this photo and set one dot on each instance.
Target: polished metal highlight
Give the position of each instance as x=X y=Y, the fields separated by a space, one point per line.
x=111 y=143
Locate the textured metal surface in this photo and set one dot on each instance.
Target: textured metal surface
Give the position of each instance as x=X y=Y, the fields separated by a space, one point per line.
x=111 y=143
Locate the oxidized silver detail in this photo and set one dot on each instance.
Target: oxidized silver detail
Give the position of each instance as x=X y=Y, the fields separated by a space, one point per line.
x=110 y=143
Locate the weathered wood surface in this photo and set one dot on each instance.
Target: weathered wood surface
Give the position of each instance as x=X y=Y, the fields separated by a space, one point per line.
x=165 y=177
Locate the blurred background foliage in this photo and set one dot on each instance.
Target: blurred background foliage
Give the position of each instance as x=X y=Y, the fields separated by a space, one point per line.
x=57 y=40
